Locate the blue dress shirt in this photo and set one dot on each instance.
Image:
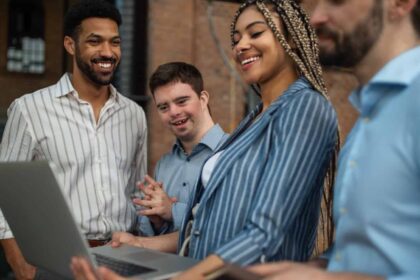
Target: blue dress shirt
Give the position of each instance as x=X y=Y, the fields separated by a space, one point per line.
x=377 y=194
x=179 y=173
x=262 y=200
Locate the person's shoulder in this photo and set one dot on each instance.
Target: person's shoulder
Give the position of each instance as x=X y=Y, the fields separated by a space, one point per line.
x=307 y=96
x=35 y=97
x=129 y=102
x=166 y=161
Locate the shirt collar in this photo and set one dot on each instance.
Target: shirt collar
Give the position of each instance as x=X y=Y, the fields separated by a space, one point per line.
x=396 y=74
x=65 y=87
x=211 y=139
x=400 y=70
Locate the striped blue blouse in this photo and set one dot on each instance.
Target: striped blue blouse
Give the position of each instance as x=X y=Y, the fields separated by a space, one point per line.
x=263 y=198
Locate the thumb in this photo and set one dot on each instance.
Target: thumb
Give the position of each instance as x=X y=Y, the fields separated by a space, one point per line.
x=115 y=242
x=174 y=199
x=106 y=274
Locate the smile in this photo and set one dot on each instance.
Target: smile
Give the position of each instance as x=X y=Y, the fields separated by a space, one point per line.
x=249 y=60
x=180 y=122
x=105 y=65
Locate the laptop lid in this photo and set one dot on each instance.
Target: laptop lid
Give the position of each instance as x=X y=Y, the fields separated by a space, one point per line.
x=39 y=215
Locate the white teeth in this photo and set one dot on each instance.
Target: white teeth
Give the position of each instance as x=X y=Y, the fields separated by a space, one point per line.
x=104 y=65
x=249 y=60
x=180 y=122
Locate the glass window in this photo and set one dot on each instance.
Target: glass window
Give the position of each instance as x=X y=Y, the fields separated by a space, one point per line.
x=26 y=42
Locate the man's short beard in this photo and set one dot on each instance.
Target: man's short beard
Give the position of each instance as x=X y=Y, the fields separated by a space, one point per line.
x=90 y=73
x=352 y=47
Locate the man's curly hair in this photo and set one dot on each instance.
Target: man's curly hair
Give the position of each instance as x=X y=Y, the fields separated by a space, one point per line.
x=88 y=9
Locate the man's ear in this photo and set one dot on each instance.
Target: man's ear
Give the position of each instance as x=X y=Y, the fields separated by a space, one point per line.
x=204 y=97
x=69 y=45
x=401 y=8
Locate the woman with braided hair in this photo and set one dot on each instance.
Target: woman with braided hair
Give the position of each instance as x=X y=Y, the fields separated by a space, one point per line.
x=258 y=198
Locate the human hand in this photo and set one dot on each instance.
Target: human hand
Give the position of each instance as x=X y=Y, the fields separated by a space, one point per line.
x=288 y=271
x=21 y=269
x=120 y=237
x=156 y=201
x=82 y=270
x=190 y=274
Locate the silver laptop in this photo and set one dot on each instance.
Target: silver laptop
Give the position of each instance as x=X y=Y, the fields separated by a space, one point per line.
x=46 y=232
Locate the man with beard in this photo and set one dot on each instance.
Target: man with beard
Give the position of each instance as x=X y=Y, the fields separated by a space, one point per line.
x=94 y=136
x=377 y=192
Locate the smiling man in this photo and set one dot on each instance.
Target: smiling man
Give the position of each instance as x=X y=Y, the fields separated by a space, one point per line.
x=94 y=136
x=182 y=104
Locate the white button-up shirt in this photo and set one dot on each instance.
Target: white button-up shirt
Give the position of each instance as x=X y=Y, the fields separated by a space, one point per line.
x=96 y=163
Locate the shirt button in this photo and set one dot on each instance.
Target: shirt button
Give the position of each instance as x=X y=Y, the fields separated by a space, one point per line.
x=352 y=163
x=366 y=120
x=196 y=233
x=337 y=257
x=343 y=210
x=188 y=159
x=184 y=184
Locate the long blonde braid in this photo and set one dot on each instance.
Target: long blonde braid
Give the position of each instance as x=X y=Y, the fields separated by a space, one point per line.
x=306 y=56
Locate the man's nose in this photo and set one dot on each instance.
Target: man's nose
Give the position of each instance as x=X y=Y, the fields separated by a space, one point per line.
x=174 y=110
x=106 y=50
x=319 y=15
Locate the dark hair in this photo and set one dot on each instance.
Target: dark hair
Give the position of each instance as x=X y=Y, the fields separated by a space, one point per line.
x=88 y=9
x=415 y=17
x=177 y=72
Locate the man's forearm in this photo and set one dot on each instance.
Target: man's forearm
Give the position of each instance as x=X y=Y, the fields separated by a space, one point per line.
x=17 y=262
x=199 y=271
x=351 y=276
x=11 y=249
x=164 y=243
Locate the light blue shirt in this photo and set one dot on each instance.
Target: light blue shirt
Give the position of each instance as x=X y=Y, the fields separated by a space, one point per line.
x=179 y=173
x=377 y=195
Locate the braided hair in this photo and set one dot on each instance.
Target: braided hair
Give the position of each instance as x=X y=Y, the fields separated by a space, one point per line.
x=305 y=54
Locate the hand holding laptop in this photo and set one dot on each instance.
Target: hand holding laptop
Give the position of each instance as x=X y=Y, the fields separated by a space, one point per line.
x=40 y=232
x=82 y=270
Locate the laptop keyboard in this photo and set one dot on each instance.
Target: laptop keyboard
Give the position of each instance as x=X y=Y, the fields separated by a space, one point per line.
x=123 y=268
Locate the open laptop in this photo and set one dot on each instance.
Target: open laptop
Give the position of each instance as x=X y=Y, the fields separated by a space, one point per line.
x=46 y=232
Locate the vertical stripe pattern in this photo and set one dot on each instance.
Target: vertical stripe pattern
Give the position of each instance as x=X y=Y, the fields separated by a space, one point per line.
x=262 y=201
x=96 y=163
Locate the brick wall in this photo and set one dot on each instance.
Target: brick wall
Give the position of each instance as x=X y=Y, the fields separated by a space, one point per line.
x=180 y=30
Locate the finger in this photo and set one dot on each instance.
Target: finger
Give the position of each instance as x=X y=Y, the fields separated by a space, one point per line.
x=75 y=269
x=115 y=243
x=107 y=274
x=146 y=203
x=116 y=240
x=152 y=182
x=143 y=202
x=149 y=212
x=136 y=201
x=82 y=270
x=174 y=199
x=147 y=190
x=140 y=184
